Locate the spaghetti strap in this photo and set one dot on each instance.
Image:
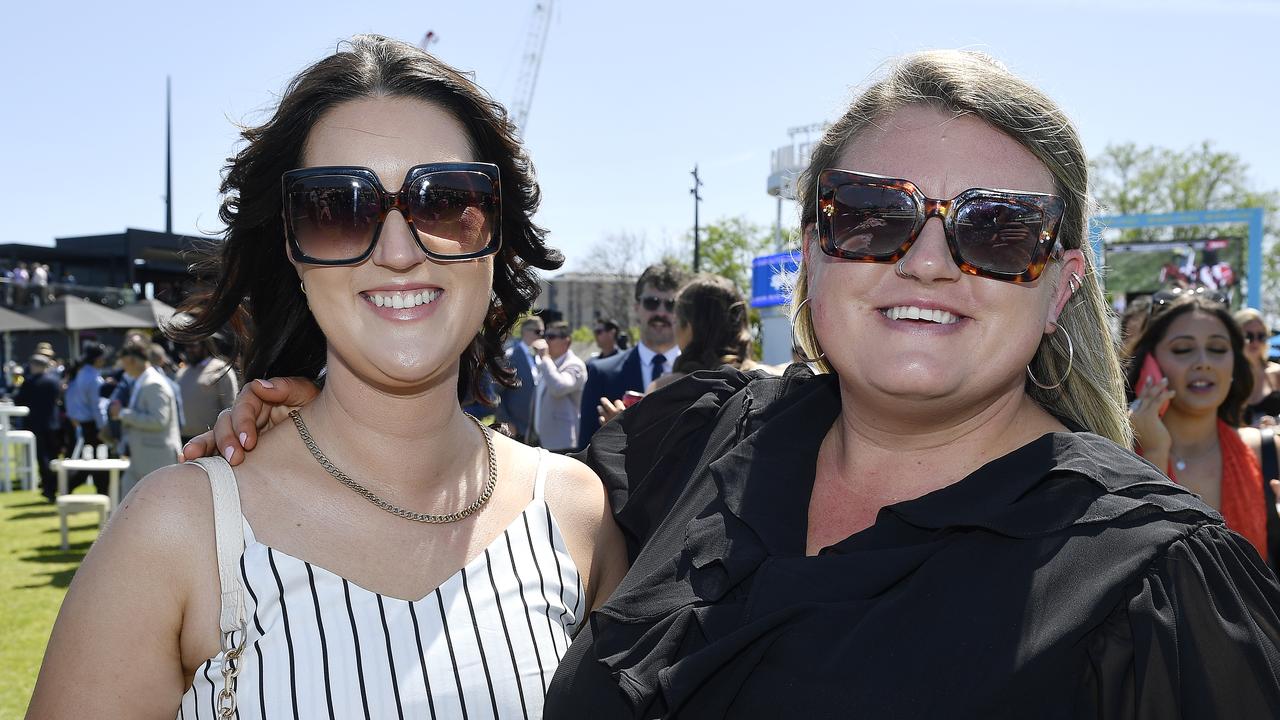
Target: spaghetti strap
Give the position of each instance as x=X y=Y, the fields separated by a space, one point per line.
x=228 y=527
x=540 y=475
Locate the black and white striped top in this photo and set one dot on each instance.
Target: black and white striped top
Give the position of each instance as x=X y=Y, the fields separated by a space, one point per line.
x=482 y=645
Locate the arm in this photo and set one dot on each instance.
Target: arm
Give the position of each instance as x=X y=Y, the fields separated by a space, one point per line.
x=1198 y=638
x=119 y=648
x=561 y=382
x=589 y=417
x=578 y=501
x=1149 y=431
x=153 y=412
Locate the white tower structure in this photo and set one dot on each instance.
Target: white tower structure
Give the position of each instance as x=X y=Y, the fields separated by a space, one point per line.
x=785 y=166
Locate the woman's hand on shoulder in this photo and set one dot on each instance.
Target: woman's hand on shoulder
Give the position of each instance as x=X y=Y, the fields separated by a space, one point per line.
x=581 y=507
x=121 y=646
x=260 y=405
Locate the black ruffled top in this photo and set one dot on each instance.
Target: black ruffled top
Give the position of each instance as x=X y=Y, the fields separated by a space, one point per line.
x=1067 y=579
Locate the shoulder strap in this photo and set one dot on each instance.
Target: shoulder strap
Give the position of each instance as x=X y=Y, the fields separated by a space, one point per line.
x=540 y=475
x=228 y=526
x=1271 y=472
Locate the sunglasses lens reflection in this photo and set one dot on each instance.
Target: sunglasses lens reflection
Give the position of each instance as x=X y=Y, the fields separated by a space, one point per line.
x=871 y=222
x=453 y=212
x=333 y=216
x=998 y=235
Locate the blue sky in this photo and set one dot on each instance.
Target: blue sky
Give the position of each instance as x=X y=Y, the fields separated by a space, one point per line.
x=629 y=97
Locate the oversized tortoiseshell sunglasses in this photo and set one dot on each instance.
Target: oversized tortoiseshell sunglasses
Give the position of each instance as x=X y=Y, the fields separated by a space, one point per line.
x=333 y=215
x=999 y=234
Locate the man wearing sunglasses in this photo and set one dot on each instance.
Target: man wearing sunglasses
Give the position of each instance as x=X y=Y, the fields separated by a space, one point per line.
x=561 y=375
x=650 y=359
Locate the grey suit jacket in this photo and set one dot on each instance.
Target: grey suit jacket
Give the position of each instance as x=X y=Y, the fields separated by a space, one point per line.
x=150 y=427
x=559 y=401
x=516 y=404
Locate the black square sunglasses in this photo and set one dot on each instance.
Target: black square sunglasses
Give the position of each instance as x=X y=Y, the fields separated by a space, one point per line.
x=334 y=214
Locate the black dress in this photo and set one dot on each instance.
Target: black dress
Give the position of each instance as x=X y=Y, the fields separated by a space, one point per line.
x=1067 y=579
x=1268 y=405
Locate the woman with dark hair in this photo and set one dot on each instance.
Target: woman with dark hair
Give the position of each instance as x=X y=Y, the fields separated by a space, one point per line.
x=381 y=553
x=1190 y=422
x=711 y=326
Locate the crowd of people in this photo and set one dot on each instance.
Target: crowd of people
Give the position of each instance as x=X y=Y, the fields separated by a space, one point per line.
x=27 y=285
x=133 y=403
x=938 y=511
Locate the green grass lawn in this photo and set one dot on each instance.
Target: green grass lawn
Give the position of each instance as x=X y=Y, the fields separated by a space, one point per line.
x=34 y=575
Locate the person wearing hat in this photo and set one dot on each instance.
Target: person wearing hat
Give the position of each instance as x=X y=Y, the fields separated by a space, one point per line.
x=40 y=393
x=45 y=350
x=149 y=420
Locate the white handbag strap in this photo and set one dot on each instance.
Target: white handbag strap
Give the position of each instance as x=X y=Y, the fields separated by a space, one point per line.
x=228 y=530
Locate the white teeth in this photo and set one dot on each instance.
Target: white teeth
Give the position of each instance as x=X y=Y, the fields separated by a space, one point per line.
x=403 y=300
x=910 y=312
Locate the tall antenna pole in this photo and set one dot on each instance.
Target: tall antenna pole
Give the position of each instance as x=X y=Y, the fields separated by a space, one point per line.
x=168 y=157
x=697 y=199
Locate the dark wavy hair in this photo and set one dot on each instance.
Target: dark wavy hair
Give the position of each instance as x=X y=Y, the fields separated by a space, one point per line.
x=716 y=315
x=274 y=331
x=1231 y=411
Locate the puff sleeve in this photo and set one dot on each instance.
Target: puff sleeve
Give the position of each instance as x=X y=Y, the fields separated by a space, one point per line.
x=1197 y=637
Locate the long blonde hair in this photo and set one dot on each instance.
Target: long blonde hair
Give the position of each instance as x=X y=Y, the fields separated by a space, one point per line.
x=971 y=83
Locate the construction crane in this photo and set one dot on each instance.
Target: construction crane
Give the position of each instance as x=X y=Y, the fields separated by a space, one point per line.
x=531 y=61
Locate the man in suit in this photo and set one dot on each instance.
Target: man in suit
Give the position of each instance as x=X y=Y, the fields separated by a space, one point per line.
x=40 y=393
x=150 y=421
x=515 y=404
x=562 y=374
x=648 y=360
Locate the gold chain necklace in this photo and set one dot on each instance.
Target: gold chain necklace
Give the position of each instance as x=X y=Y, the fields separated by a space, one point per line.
x=394 y=510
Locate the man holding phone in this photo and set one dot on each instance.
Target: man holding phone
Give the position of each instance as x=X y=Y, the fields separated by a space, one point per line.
x=648 y=360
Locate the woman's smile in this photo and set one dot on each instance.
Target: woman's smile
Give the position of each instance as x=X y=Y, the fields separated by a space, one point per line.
x=402 y=303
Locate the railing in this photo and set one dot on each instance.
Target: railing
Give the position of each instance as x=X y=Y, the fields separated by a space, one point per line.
x=28 y=296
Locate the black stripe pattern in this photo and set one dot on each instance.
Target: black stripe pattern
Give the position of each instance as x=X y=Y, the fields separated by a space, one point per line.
x=482 y=645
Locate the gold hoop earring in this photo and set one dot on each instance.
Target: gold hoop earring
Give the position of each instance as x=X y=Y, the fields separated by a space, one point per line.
x=303 y=284
x=796 y=348
x=1071 y=354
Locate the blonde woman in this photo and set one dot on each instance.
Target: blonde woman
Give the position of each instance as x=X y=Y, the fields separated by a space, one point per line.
x=1263 y=404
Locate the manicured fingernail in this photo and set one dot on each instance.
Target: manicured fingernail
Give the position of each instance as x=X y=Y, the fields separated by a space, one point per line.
x=229 y=452
x=266 y=384
x=244 y=438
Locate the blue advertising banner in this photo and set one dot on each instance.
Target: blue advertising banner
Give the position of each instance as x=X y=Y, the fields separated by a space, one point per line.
x=772 y=276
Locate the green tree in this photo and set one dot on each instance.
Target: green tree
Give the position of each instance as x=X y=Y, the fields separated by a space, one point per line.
x=728 y=246
x=1129 y=179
